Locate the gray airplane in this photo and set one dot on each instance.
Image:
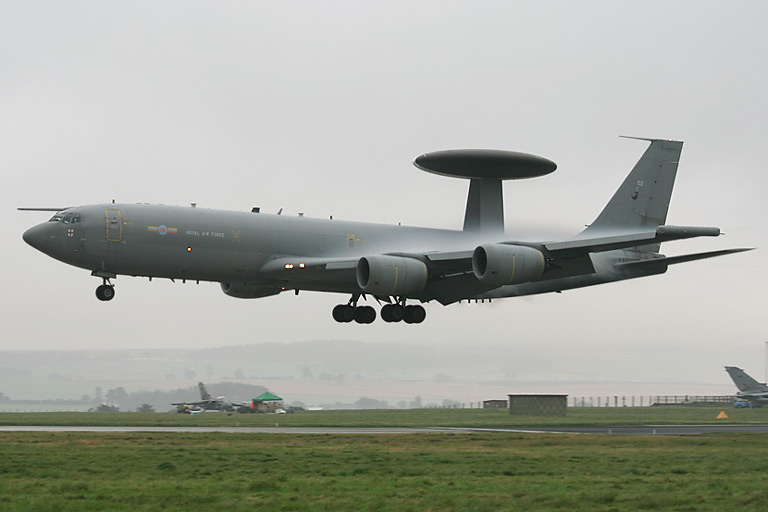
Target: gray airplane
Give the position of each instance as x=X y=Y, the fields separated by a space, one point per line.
x=206 y=403
x=253 y=254
x=749 y=388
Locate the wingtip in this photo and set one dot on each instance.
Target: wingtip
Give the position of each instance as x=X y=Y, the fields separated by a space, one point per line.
x=649 y=140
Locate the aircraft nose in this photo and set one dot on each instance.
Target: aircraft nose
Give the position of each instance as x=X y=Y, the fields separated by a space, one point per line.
x=36 y=237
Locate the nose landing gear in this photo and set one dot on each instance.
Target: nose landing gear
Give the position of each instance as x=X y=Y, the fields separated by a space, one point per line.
x=105 y=291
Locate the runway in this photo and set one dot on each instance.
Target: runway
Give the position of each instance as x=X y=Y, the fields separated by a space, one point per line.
x=637 y=430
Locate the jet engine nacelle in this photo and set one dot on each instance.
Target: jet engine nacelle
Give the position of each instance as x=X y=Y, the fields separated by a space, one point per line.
x=248 y=291
x=501 y=264
x=391 y=275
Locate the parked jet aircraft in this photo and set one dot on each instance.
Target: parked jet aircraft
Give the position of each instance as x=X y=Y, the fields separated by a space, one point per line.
x=749 y=388
x=207 y=402
x=257 y=255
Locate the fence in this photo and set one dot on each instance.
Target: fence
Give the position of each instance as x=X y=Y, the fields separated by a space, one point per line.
x=609 y=401
x=651 y=400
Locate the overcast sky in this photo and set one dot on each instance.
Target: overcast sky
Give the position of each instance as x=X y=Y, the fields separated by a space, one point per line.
x=320 y=107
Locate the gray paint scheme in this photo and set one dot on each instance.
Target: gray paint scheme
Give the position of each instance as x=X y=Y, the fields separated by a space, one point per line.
x=485 y=168
x=258 y=254
x=485 y=164
x=749 y=388
x=207 y=402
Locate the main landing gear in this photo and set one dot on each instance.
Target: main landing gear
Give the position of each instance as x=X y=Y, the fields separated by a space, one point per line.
x=105 y=291
x=345 y=313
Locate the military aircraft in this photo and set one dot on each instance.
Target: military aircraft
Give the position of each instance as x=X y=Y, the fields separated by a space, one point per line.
x=254 y=254
x=749 y=388
x=207 y=403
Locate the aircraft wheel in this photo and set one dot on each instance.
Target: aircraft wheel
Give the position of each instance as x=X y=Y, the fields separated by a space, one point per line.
x=343 y=313
x=392 y=313
x=365 y=314
x=414 y=314
x=105 y=292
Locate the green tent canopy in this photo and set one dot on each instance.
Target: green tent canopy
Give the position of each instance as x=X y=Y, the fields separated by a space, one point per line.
x=267 y=397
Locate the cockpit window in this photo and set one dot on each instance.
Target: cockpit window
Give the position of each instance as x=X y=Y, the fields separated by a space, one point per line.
x=55 y=218
x=75 y=219
x=67 y=218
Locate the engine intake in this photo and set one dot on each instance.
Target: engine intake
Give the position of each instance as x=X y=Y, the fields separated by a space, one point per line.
x=391 y=275
x=248 y=290
x=502 y=264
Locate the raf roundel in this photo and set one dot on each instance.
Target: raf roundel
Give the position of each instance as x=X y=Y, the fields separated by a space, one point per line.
x=162 y=230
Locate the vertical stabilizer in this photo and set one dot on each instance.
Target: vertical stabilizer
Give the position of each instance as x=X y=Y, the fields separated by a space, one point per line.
x=203 y=393
x=743 y=381
x=643 y=198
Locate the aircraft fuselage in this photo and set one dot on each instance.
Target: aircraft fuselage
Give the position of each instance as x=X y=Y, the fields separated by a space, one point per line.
x=255 y=254
x=216 y=245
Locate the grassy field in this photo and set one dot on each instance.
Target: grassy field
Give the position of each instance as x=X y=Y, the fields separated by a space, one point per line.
x=401 y=418
x=411 y=472
x=68 y=471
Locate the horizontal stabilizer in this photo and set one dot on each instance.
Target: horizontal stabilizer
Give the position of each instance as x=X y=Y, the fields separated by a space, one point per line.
x=661 y=234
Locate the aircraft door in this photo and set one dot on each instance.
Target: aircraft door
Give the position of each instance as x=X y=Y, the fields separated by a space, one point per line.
x=114 y=225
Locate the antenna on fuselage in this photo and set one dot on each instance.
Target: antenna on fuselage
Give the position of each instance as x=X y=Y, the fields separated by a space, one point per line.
x=486 y=169
x=53 y=209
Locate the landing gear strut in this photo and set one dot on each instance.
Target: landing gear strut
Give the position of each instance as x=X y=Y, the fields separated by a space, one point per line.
x=345 y=313
x=400 y=312
x=105 y=291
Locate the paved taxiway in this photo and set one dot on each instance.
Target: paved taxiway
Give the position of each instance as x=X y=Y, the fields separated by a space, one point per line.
x=619 y=430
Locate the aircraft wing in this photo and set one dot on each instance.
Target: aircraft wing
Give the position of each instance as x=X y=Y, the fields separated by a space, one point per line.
x=313 y=272
x=672 y=260
x=451 y=276
x=446 y=269
x=461 y=261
